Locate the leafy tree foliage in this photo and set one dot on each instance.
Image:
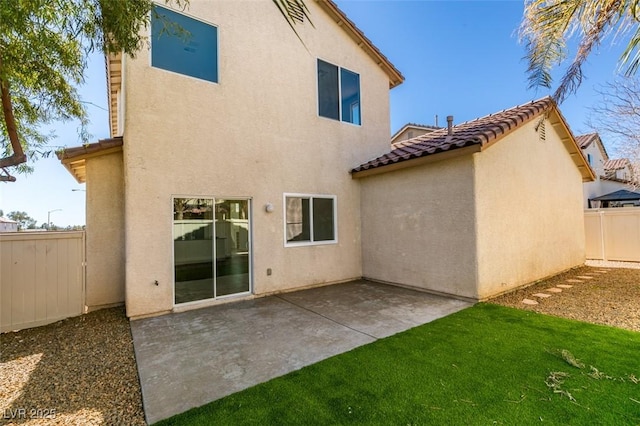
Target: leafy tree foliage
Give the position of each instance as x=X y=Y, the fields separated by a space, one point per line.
x=43 y=49
x=24 y=220
x=547 y=25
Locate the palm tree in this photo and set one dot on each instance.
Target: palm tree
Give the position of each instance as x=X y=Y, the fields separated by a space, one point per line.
x=547 y=25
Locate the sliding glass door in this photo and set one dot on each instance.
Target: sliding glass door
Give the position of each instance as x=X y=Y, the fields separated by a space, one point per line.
x=212 y=248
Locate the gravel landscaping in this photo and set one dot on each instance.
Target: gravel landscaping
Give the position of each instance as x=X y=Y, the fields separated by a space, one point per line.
x=609 y=298
x=82 y=370
x=79 y=371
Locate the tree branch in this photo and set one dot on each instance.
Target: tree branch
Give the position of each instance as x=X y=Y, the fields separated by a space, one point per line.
x=18 y=156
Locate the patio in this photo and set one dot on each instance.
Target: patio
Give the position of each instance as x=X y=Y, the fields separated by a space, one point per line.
x=191 y=358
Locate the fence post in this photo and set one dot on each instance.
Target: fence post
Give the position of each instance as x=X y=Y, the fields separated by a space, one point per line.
x=602 y=234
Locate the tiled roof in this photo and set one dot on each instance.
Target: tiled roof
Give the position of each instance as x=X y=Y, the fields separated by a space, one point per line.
x=584 y=140
x=5 y=220
x=90 y=148
x=414 y=125
x=426 y=126
x=480 y=131
x=617 y=164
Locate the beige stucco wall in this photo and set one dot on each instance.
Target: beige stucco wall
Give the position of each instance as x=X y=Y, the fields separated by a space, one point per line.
x=255 y=134
x=530 y=220
x=105 y=240
x=418 y=227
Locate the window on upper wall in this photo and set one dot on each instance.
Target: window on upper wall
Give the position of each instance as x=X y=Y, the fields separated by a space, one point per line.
x=589 y=159
x=184 y=45
x=338 y=93
x=310 y=219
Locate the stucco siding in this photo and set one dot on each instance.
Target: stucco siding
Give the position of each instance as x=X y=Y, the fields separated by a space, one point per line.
x=418 y=227
x=105 y=231
x=529 y=210
x=256 y=134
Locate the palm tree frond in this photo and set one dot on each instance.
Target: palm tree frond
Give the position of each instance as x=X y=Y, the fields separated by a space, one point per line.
x=548 y=24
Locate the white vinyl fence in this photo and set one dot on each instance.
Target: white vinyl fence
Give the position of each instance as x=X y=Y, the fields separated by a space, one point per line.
x=41 y=278
x=613 y=234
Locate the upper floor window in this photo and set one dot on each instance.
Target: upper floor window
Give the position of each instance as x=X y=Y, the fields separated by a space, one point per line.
x=338 y=93
x=589 y=159
x=184 y=45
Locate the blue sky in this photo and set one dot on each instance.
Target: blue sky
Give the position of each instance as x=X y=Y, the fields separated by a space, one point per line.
x=459 y=58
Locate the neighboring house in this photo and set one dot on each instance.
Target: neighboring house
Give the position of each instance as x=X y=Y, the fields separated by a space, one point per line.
x=619 y=169
x=412 y=130
x=611 y=175
x=8 y=225
x=227 y=173
x=477 y=209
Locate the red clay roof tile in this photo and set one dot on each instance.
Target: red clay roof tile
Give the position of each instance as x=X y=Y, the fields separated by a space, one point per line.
x=616 y=164
x=480 y=131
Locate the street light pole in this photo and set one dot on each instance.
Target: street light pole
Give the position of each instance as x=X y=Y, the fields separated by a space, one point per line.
x=49 y=217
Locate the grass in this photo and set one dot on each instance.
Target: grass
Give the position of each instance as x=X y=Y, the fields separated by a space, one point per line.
x=484 y=365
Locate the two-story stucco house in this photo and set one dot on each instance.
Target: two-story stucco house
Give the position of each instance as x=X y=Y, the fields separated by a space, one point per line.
x=227 y=174
x=227 y=171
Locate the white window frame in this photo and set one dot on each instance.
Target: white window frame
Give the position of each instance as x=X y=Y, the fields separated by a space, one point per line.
x=340 y=120
x=310 y=197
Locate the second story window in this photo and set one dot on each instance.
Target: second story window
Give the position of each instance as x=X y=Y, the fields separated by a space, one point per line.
x=338 y=93
x=184 y=45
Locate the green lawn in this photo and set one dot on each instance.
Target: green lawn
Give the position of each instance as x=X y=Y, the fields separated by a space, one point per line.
x=484 y=365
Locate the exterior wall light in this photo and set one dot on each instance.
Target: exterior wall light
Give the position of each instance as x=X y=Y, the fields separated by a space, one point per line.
x=269 y=208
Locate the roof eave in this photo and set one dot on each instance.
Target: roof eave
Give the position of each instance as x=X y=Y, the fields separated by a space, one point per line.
x=114 y=84
x=395 y=76
x=572 y=146
x=74 y=159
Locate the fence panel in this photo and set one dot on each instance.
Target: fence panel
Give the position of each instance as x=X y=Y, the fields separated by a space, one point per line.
x=41 y=278
x=613 y=234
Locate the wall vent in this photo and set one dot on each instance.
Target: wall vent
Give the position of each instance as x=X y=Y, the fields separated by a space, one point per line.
x=295 y=10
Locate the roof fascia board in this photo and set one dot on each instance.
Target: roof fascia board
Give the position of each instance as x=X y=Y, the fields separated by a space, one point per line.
x=570 y=143
x=86 y=156
x=601 y=147
x=395 y=76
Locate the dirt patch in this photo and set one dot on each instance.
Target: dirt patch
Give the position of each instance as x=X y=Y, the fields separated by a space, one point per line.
x=80 y=370
x=599 y=295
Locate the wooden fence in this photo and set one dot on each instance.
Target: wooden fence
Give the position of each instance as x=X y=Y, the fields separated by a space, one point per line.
x=41 y=278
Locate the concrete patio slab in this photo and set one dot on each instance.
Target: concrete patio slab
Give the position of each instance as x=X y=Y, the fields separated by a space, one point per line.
x=191 y=358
